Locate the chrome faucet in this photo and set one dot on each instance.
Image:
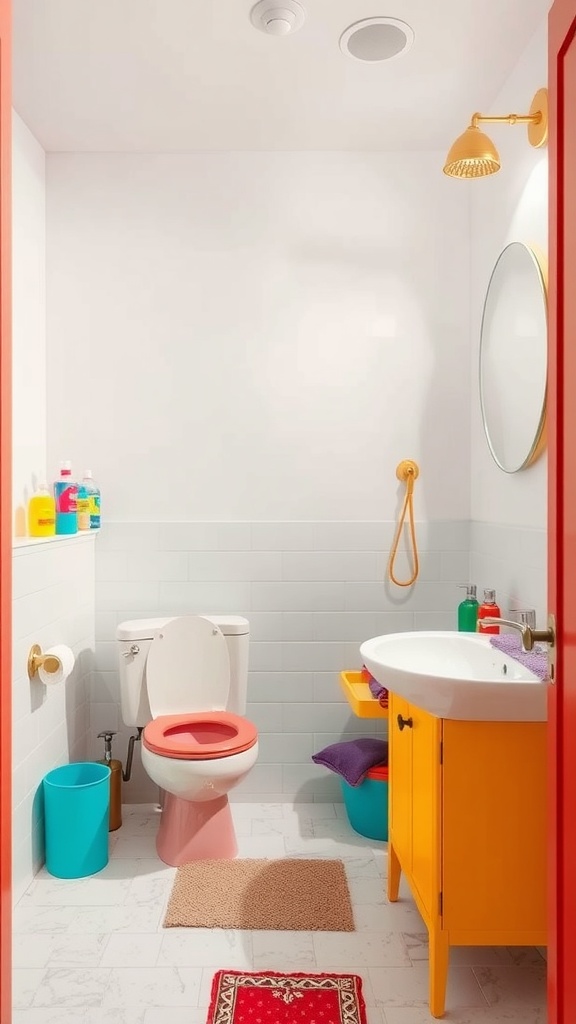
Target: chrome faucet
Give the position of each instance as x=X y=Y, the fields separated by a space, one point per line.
x=530 y=636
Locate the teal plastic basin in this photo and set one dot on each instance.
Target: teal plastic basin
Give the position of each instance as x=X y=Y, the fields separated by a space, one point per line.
x=76 y=809
x=367 y=804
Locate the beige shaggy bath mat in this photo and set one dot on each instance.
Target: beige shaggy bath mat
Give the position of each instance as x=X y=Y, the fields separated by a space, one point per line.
x=277 y=895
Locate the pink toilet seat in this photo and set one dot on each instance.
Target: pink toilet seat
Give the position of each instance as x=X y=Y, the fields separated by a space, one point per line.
x=199 y=736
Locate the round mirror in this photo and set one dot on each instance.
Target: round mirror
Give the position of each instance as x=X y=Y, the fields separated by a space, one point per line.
x=514 y=358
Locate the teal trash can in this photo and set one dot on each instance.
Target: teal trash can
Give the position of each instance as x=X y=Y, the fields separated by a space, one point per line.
x=76 y=811
x=367 y=804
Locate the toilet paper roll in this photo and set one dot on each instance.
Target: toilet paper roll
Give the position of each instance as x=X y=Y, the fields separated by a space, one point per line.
x=66 y=664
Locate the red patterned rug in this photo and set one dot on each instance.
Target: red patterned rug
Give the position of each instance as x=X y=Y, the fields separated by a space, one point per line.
x=272 y=998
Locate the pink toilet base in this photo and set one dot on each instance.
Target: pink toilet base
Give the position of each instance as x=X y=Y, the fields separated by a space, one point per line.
x=195 y=831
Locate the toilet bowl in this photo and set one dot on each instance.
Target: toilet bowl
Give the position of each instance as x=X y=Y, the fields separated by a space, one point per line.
x=184 y=681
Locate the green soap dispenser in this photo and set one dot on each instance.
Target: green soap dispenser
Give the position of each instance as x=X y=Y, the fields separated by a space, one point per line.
x=468 y=611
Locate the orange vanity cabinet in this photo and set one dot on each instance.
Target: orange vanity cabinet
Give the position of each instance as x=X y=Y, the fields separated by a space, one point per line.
x=467 y=828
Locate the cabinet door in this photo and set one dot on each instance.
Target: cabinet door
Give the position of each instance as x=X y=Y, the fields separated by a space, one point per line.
x=400 y=763
x=426 y=819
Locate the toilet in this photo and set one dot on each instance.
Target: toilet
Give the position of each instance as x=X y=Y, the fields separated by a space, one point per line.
x=184 y=680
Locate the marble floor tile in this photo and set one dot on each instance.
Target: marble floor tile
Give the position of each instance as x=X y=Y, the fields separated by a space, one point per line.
x=302 y=846
x=339 y=828
x=60 y=950
x=513 y=986
x=261 y=846
x=25 y=982
x=151 y=882
x=478 y=1015
x=348 y=950
x=366 y=890
x=29 y=917
x=363 y=866
x=374 y=1015
x=176 y=1015
x=314 y=811
x=53 y=1015
x=132 y=847
x=82 y=892
x=93 y=951
x=473 y=956
x=125 y=1015
x=162 y=986
x=408 y=986
x=144 y=823
x=206 y=947
x=131 y=950
x=251 y=811
x=293 y=826
x=125 y=918
x=283 y=951
x=81 y=987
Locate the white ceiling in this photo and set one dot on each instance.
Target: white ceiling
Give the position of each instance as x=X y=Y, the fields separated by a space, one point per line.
x=185 y=75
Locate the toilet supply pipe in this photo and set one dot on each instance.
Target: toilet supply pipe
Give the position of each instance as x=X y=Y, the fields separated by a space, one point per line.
x=118 y=774
x=115 y=767
x=408 y=472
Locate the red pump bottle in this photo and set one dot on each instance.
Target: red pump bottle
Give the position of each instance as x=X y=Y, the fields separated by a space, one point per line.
x=488 y=608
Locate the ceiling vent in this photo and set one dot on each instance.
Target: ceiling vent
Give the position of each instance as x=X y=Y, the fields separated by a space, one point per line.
x=376 y=39
x=277 y=17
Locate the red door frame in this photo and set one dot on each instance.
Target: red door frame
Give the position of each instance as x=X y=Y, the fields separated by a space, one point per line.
x=5 y=514
x=562 y=513
x=562 y=545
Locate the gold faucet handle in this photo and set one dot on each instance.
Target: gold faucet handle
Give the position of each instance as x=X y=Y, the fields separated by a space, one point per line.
x=530 y=636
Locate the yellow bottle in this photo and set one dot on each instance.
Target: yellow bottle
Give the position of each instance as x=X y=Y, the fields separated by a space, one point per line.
x=41 y=513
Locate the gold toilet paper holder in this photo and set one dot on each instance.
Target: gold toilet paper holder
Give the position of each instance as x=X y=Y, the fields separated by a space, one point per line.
x=38 y=660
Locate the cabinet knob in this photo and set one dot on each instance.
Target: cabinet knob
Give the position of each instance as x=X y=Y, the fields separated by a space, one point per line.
x=404 y=722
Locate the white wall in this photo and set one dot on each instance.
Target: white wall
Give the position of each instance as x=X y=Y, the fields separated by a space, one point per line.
x=53 y=603
x=29 y=317
x=508 y=511
x=242 y=336
x=248 y=344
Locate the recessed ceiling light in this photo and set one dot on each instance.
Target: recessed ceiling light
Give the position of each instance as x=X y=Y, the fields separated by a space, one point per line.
x=376 y=39
x=277 y=17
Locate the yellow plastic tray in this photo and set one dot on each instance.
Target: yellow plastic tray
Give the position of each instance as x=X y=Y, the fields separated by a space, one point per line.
x=359 y=697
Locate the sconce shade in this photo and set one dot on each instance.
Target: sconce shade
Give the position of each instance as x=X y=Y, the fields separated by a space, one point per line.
x=472 y=155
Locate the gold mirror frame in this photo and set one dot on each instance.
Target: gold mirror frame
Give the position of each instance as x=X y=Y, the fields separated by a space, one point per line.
x=538 y=442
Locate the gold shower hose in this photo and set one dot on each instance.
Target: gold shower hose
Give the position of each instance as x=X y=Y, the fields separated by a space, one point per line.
x=408 y=471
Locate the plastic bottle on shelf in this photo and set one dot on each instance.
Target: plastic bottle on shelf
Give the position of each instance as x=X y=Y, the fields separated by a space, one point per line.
x=488 y=608
x=83 y=507
x=65 y=497
x=41 y=513
x=93 y=493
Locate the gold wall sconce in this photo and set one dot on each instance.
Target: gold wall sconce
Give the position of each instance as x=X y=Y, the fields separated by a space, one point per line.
x=49 y=662
x=474 y=155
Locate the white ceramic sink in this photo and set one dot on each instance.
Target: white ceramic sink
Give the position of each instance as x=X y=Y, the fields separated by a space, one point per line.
x=456 y=675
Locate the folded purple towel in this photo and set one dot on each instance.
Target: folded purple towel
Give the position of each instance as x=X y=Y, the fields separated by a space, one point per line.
x=511 y=644
x=353 y=758
x=379 y=692
x=376 y=688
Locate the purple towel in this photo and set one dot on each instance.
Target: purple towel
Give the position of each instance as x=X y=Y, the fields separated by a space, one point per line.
x=511 y=644
x=353 y=758
x=376 y=688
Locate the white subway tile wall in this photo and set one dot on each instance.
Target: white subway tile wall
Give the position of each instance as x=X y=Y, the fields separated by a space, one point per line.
x=512 y=560
x=312 y=591
x=53 y=603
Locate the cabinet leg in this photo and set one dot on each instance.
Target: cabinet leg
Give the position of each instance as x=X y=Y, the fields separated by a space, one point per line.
x=394 y=871
x=439 y=952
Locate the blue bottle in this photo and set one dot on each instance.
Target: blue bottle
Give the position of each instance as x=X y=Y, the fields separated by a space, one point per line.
x=93 y=493
x=65 y=497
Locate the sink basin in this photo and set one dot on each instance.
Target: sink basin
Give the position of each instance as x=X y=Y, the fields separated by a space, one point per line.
x=456 y=675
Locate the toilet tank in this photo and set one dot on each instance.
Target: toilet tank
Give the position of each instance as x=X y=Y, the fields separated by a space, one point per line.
x=134 y=638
